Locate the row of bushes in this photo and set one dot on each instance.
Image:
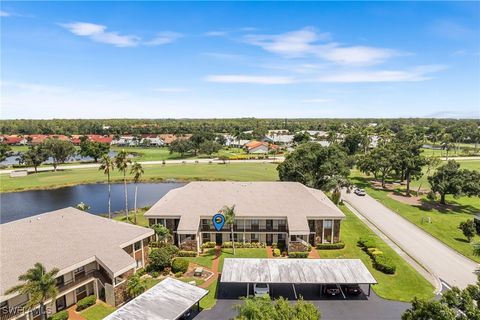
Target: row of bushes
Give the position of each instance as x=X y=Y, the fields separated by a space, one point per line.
x=298 y=254
x=380 y=261
x=86 y=302
x=331 y=246
x=186 y=253
x=61 y=315
x=209 y=245
x=229 y=244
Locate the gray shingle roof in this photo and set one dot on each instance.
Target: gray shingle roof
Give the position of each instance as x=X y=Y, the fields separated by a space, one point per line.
x=290 y=200
x=65 y=239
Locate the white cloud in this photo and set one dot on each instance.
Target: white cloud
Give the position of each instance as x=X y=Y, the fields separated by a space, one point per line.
x=4 y=13
x=249 y=79
x=164 y=38
x=308 y=42
x=216 y=33
x=171 y=89
x=98 y=33
x=224 y=56
x=450 y=30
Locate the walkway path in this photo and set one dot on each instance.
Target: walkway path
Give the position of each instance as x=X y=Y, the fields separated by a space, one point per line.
x=215 y=262
x=442 y=261
x=313 y=254
x=74 y=315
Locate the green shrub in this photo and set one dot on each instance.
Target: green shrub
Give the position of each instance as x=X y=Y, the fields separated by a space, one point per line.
x=276 y=252
x=298 y=254
x=161 y=258
x=331 y=246
x=376 y=253
x=180 y=265
x=62 y=315
x=185 y=253
x=274 y=245
x=86 y=302
x=154 y=274
x=367 y=242
x=384 y=264
x=209 y=244
x=228 y=244
x=370 y=250
x=179 y=274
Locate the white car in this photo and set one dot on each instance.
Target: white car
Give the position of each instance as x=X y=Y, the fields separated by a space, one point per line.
x=261 y=289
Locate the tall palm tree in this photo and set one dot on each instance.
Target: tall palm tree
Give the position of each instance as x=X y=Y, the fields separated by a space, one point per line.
x=39 y=285
x=476 y=249
x=137 y=171
x=122 y=162
x=136 y=286
x=229 y=214
x=108 y=165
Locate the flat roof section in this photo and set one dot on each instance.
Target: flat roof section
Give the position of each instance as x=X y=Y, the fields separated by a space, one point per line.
x=167 y=300
x=297 y=271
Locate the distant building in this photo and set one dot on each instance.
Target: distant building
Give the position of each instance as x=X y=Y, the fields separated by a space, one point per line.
x=260 y=147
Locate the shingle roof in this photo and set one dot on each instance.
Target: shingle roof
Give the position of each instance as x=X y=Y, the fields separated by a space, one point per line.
x=290 y=200
x=62 y=239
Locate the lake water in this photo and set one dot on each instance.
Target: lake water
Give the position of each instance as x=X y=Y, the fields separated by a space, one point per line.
x=18 y=205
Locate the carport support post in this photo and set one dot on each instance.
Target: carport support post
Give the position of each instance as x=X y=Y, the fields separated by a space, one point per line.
x=369 y=286
x=248 y=289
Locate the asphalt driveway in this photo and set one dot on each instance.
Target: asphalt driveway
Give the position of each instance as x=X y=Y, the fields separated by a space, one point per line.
x=443 y=262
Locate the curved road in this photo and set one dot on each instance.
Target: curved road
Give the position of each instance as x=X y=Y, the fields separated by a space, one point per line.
x=443 y=262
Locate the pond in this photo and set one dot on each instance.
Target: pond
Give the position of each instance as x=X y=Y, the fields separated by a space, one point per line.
x=18 y=205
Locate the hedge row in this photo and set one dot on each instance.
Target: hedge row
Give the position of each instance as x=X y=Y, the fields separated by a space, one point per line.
x=185 y=253
x=298 y=254
x=229 y=244
x=380 y=261
x=179 y=265
x=208 y=245
x=86 y=302
x=331 y=246
x=61 y=315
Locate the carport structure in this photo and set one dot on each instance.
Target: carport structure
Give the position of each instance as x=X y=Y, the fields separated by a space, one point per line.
x=168 y=300
x=296 y=271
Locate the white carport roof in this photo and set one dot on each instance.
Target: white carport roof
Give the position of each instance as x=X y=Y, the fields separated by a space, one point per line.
x=167 y=300
x=297 y=271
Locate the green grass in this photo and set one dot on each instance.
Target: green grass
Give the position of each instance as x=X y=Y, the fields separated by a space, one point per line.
x=210 y=299
x=183 y=172
x=241 y=253
x=97 y=312
x=141 y=220
x=188 y=279
x=444 y=220
x=405 y=284
x=151 y=282
x=205 y=259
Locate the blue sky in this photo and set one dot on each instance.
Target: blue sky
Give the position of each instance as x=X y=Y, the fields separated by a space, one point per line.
x=247 y=59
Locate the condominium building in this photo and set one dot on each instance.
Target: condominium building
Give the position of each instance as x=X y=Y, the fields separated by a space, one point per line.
x=269 y=212
x=94 y=256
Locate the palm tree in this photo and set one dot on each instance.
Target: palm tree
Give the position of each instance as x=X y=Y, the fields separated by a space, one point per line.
x=476 y=249
x=137 y=171
x=162 y=232
x=122 y=162
x=229 y=214
x=107 y=165
x=136 y=286
x=39 y=286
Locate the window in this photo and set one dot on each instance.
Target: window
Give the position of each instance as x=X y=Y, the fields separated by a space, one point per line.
x=137 y=245
x=327 y=224
x=59 y=281
x=254 y=237
x=81 y=290
x=139 y=263
x=205 y=237
x=255 y=222
x=79 y=270
x=281 y=236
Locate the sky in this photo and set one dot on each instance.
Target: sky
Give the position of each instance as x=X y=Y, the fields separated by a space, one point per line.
x=242 y=59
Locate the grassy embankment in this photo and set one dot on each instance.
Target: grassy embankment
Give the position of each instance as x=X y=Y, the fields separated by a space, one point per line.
x=181 y=172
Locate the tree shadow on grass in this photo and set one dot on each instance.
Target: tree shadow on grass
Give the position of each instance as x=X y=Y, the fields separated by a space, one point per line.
x=462 y=240
x=449 y=208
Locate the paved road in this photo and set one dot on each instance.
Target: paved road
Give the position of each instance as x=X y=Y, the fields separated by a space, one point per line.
x=158 y=162
x=443 y=262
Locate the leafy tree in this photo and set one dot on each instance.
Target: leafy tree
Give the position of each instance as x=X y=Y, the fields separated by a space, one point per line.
x=162 y=232
x=181 y=146
x=82 y=206
x=429 y=310
x=199 y=138
x=34 y=156
x=430 y=164
x=209 y=147
x=301 y=137
x=315 y=166
x=353 y=141
x=137 y=171
x=136 y=285
x=162 y=257
x=379 y=161
x=93 y=149
x=263 y=308
x=39 y=285
x=5 y=151
x=59 y=150
x=108 y=165
x=476 y=249
x=259 y=133
x=229 y=214
x=221 y=139
x=447 y=143
x=468 y=229
x=121 y=162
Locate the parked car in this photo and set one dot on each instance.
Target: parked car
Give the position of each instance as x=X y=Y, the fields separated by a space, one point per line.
x=186 y=315
x=261 y=289
x=352 y=289
x=331 y=290
x=360 y=192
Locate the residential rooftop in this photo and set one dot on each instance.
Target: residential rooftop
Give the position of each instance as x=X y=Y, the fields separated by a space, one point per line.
x=291 y=200
x=66 y=239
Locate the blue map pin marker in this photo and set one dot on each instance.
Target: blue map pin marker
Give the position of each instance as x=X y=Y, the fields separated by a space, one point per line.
x=218 y=221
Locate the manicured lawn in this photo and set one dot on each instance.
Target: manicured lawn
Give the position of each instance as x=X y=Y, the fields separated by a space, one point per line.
x=205 y=259
x=210 y=299
x=141 y=220
x=151 y=282
x=444 y=220
x=98 y=311
x=183 y=172
x=241 y=253
x=405 y=284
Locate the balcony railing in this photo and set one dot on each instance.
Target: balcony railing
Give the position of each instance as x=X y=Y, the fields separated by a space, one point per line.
x=205 y=228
